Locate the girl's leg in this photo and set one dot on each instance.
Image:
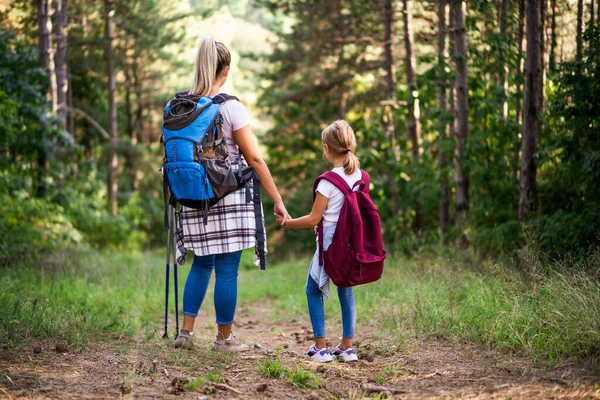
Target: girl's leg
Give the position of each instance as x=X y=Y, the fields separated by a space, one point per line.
x=195 y=289
x=226 y=273
x=346 y=296
x=316 y=310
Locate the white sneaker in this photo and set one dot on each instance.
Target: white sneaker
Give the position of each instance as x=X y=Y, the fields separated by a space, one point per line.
x=345 y=355
x=323 y=355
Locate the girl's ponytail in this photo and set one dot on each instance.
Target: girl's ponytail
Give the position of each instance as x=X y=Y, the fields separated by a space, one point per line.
x=340 y=138
x=206 y=67
x=351 y=164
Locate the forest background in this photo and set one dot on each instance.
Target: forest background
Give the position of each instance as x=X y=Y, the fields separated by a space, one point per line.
x=479 y=128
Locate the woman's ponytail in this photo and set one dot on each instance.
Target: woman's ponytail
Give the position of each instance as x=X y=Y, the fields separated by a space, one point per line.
x=206 y=67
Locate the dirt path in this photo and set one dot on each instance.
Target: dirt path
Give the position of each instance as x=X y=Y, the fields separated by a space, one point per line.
x=150 y=368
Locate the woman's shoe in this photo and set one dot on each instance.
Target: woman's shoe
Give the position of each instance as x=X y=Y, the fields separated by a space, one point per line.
x=185 y=340
x=231 y=344
x=321 y=355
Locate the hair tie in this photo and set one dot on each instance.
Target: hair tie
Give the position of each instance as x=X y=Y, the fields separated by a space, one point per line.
x=348 y=151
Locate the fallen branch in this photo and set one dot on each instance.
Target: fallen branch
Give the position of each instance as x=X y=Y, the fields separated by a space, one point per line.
x=264 y=349
x=370 y=388
x=226 y=387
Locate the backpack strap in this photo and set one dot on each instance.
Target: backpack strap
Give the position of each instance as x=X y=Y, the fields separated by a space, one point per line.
x=223 y=97
x=335 y=180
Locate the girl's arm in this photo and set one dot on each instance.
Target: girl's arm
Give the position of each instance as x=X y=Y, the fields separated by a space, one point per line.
x=312 y=219
x=246 y=141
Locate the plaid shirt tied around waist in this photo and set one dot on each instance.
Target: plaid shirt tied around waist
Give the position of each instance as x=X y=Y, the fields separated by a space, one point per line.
x=231 y=226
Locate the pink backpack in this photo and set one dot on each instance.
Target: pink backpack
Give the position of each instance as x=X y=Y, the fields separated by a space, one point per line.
x=356 y=253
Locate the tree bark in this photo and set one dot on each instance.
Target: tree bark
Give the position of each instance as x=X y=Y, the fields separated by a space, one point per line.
x=518 y=105
x=531 y=124
x=414 y=127
x=552 y=60
x=62 y=83
x=389 y=80
x=504 y=59
x=444 y=209
x=45 y=47
x=579 y=53
x=46 y=62
x=543 y=56
x=112 y=107
x=461 y=126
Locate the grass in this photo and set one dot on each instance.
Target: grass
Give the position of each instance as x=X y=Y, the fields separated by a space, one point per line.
x=202 y=382
x=549 y=316
x=271 y=368
x=87 y=296
x=83 y=298
x=297 y=376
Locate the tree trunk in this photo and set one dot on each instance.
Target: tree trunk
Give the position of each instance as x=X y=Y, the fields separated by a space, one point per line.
x=389 y=80
x=543 y=56
x=414 y=127
x=552 y=60
x=46 y=62
x=579 y=54
x=598 y=11
x=518 y=106
x=461 y=126
x=444 y=209
x=112 y=107
x=504 y=59
x=592 y=13
x=62 y=84
x=531 y=124
x=45 y=47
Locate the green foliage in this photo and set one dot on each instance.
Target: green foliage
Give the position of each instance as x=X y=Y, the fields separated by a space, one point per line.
x=32 y=227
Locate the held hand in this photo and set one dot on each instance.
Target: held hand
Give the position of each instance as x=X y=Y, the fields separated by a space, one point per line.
x=279 y=220
x=281 y=214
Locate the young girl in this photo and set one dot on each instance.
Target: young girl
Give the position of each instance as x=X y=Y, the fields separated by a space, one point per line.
x=339 y=144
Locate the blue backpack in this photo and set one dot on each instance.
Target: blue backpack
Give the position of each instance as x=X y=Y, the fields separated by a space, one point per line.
x=197 y=168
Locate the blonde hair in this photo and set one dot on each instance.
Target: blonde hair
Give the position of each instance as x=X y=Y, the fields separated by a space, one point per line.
x=211 y=60
x=340 y=139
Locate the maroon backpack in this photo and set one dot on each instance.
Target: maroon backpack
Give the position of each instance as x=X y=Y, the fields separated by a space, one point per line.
x=356 y=253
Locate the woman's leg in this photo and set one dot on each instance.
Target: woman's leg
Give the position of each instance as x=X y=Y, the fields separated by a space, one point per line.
x=195 y=289
x=226 y=273
x=316 y=310
x=346 y=296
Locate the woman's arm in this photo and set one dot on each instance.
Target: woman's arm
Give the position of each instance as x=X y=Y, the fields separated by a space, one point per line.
x=246 y=141
x=312 y=219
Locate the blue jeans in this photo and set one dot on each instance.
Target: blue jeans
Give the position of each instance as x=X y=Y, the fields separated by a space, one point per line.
x=317 y=310
x=226 y=273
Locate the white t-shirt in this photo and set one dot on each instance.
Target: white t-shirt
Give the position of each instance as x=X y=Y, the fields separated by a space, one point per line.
x=335 y=196
x=235 y=117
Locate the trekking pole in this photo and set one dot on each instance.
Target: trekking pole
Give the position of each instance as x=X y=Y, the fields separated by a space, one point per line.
x=166 y=335
x=175 y=271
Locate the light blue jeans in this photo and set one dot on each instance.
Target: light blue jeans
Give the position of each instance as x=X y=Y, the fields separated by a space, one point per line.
x=226 y=273
x=316 y=309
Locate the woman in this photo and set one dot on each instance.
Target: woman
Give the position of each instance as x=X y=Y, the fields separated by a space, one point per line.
x=230 y=227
